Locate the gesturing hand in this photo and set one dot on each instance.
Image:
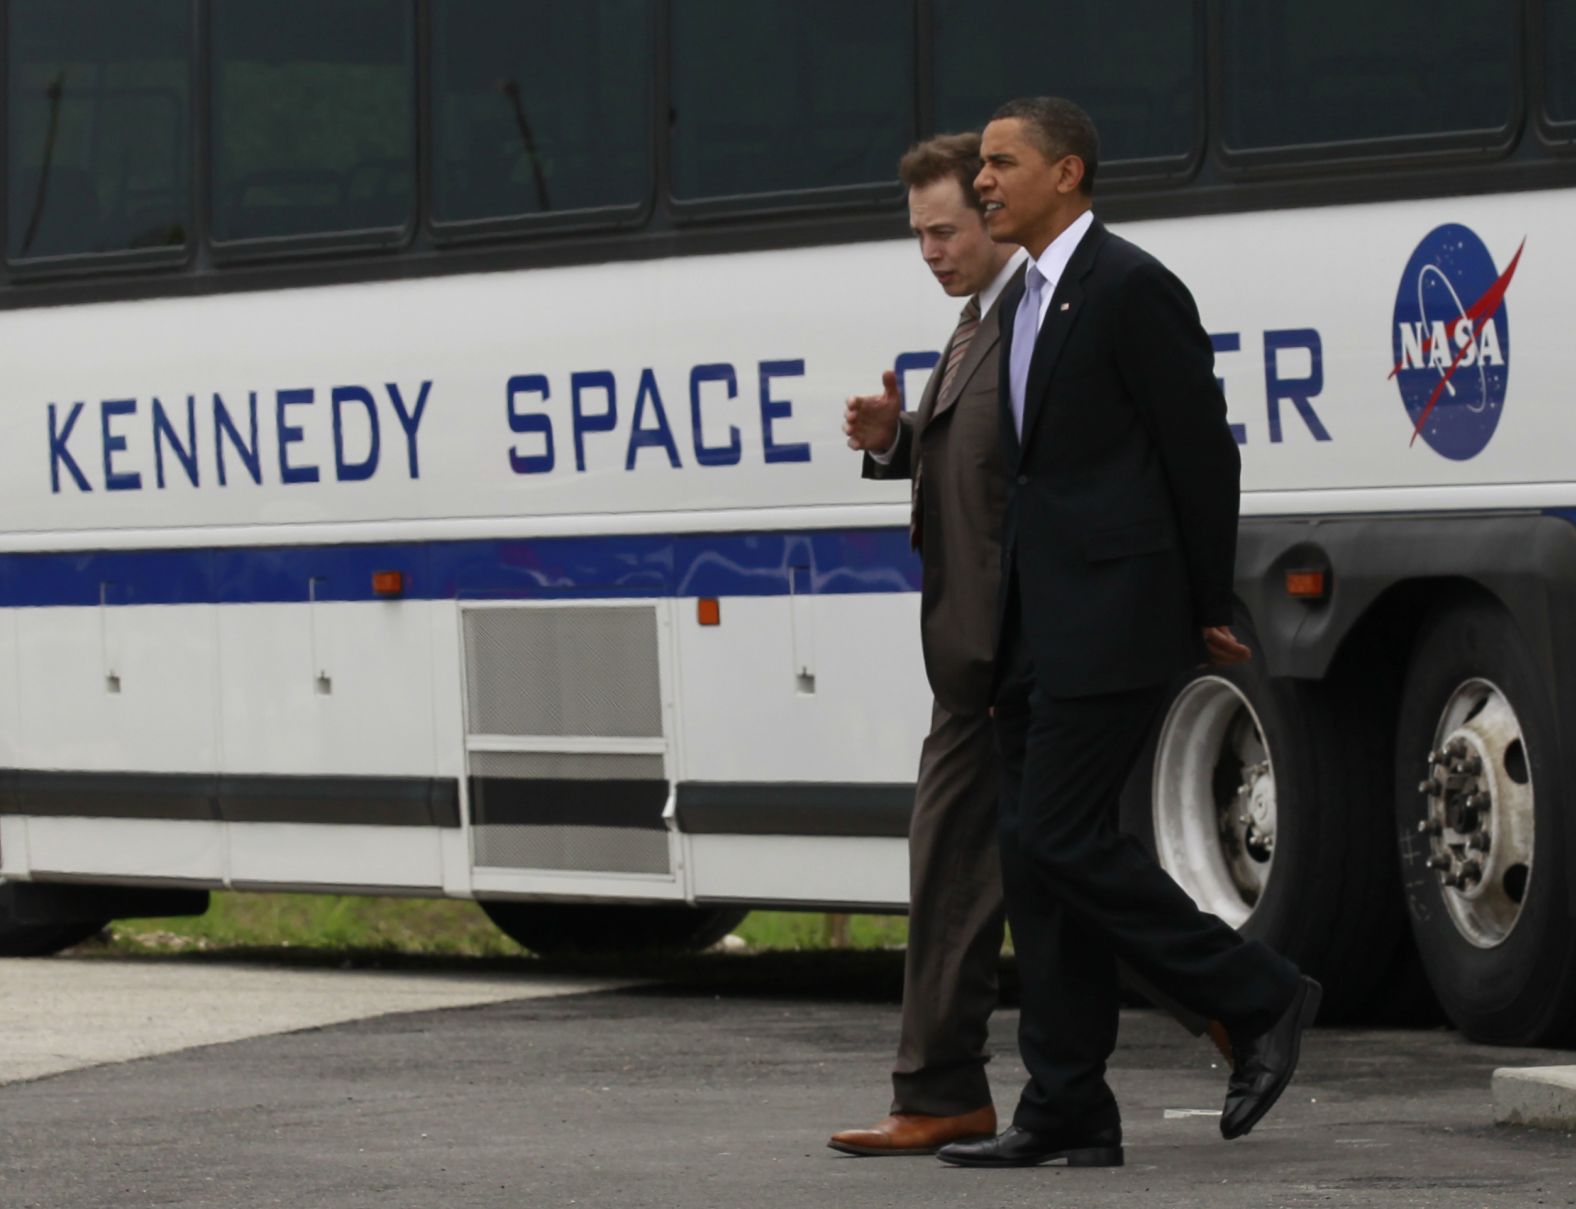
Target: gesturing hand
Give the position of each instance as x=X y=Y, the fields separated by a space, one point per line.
x=1223 y=647
x=870 y=421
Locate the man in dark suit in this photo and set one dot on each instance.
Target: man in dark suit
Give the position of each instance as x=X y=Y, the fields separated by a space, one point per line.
x=1118 y=545
x=951 y=449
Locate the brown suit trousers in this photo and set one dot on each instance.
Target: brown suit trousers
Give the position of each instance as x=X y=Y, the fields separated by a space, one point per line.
x=956 y=914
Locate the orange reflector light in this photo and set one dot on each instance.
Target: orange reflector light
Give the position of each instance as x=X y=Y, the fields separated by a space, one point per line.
x=388 y=583
x=1305 y=585
x=709 y=610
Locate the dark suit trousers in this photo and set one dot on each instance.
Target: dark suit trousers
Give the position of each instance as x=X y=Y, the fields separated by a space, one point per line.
x=1080 y=895
x=955 y=921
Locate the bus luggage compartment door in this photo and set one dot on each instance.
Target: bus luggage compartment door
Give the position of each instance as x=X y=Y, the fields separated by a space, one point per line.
x=567 y=750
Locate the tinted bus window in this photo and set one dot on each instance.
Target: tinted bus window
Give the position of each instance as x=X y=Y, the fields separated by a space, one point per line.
x=539 y=106
x=780 y=95
x=98 y=101
x=1347 y=70
x=1560 y=60
x=313 y=117
x=1130 y=63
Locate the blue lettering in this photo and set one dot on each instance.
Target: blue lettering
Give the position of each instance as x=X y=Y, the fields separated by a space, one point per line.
x=528 y=424
x=603 y=421
x=164 y=431
x=250 y=455
x=410 y=421
x=291 y=434
x=114 y=443
x=909 y=363
x=773 y=410
x=1229 y=342
x=1298 y=390
x=59 y=455
x=714 y=455
x=354 y=472
x=640 y=438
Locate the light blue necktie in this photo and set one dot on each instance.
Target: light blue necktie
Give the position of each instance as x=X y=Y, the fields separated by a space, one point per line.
x=1025 y=329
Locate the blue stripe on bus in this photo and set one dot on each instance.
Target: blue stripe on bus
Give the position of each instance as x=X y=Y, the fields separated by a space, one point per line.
x=687 y=565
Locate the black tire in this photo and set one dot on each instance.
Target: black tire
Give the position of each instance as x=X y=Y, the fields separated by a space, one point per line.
x=34 y=939
x=1522 y=990
x=557 y=929
x=1332 y=901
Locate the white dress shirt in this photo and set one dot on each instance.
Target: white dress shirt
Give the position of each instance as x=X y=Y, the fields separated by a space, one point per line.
x=987 y=299
x=1052 y=262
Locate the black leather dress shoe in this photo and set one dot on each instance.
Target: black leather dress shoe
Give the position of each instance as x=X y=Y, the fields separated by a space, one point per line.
x=1265 y=1062
x=1020 y=1148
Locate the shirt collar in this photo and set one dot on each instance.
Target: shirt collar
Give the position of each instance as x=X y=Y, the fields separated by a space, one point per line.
x=993 y=291
x=1052 y=262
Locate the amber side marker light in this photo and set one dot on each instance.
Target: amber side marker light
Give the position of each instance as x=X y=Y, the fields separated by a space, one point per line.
x=1307 y=585
x=709 y=610
x=388 y=583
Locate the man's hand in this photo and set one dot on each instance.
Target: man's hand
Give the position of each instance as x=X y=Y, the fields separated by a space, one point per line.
x=870 y=421
x=1223 y=647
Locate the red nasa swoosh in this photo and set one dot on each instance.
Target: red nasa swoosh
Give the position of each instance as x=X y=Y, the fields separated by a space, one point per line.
x=1481 y=311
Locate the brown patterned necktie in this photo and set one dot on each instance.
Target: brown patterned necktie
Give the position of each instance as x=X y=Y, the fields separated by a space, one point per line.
x=957 y=349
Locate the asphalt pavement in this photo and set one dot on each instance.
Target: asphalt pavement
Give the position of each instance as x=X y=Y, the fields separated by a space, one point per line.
x=713 y=1095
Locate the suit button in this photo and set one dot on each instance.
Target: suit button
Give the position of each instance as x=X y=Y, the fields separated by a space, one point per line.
x=1023 y=480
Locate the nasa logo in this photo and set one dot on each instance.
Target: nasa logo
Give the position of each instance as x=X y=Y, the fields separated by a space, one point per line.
x=1451 y=341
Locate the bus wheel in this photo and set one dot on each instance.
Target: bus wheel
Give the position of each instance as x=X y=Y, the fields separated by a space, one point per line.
x=24 y=936
x=1265 y=799
x=1477 y=791
x=554 y=929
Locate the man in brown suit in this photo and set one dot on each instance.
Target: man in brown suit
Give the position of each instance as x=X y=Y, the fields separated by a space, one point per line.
x=950 y=447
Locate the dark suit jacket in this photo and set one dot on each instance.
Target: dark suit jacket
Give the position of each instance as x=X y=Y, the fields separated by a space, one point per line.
x=1121 y=523
x=962 y=492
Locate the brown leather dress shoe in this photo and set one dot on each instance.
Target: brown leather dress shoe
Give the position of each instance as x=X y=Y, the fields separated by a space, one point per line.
x=915 y=1133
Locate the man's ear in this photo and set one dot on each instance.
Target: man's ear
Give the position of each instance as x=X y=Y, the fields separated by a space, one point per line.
x=1070 y=174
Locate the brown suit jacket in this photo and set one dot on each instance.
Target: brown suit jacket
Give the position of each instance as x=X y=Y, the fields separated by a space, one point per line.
x=962 y=494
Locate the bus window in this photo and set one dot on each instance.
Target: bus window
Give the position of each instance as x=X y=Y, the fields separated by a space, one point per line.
x=313 y=118
x=780 y=96
x=539 y=107
x=98 y=101
x=1559 y=70
x=1130 y=63
x=1301 y=75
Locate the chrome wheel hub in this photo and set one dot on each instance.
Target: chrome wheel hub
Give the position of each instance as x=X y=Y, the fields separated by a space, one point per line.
x=1214 y=802
x=1478 y=815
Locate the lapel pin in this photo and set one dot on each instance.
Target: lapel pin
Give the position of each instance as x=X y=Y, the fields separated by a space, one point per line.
x=1066 y=305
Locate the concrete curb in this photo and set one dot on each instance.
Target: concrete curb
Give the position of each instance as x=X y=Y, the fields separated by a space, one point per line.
x=1540 y=1096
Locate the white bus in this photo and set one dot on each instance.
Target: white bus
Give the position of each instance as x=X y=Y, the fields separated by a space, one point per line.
x=421 y=468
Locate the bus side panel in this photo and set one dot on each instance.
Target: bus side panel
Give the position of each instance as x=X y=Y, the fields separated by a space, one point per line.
x=117 y=688
x=748 y=714
x=823 y=697
x=111 y=850
x=328 y=688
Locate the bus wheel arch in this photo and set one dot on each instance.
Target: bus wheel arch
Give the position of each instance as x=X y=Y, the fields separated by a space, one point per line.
x=552 y=929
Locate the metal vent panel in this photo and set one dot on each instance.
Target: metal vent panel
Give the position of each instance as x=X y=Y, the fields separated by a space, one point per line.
x=567 y=766
x=575 y=672
x=580 y=849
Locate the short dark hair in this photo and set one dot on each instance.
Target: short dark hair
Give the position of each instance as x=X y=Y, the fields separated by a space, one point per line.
x=1060 y=128
x=954 y=155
